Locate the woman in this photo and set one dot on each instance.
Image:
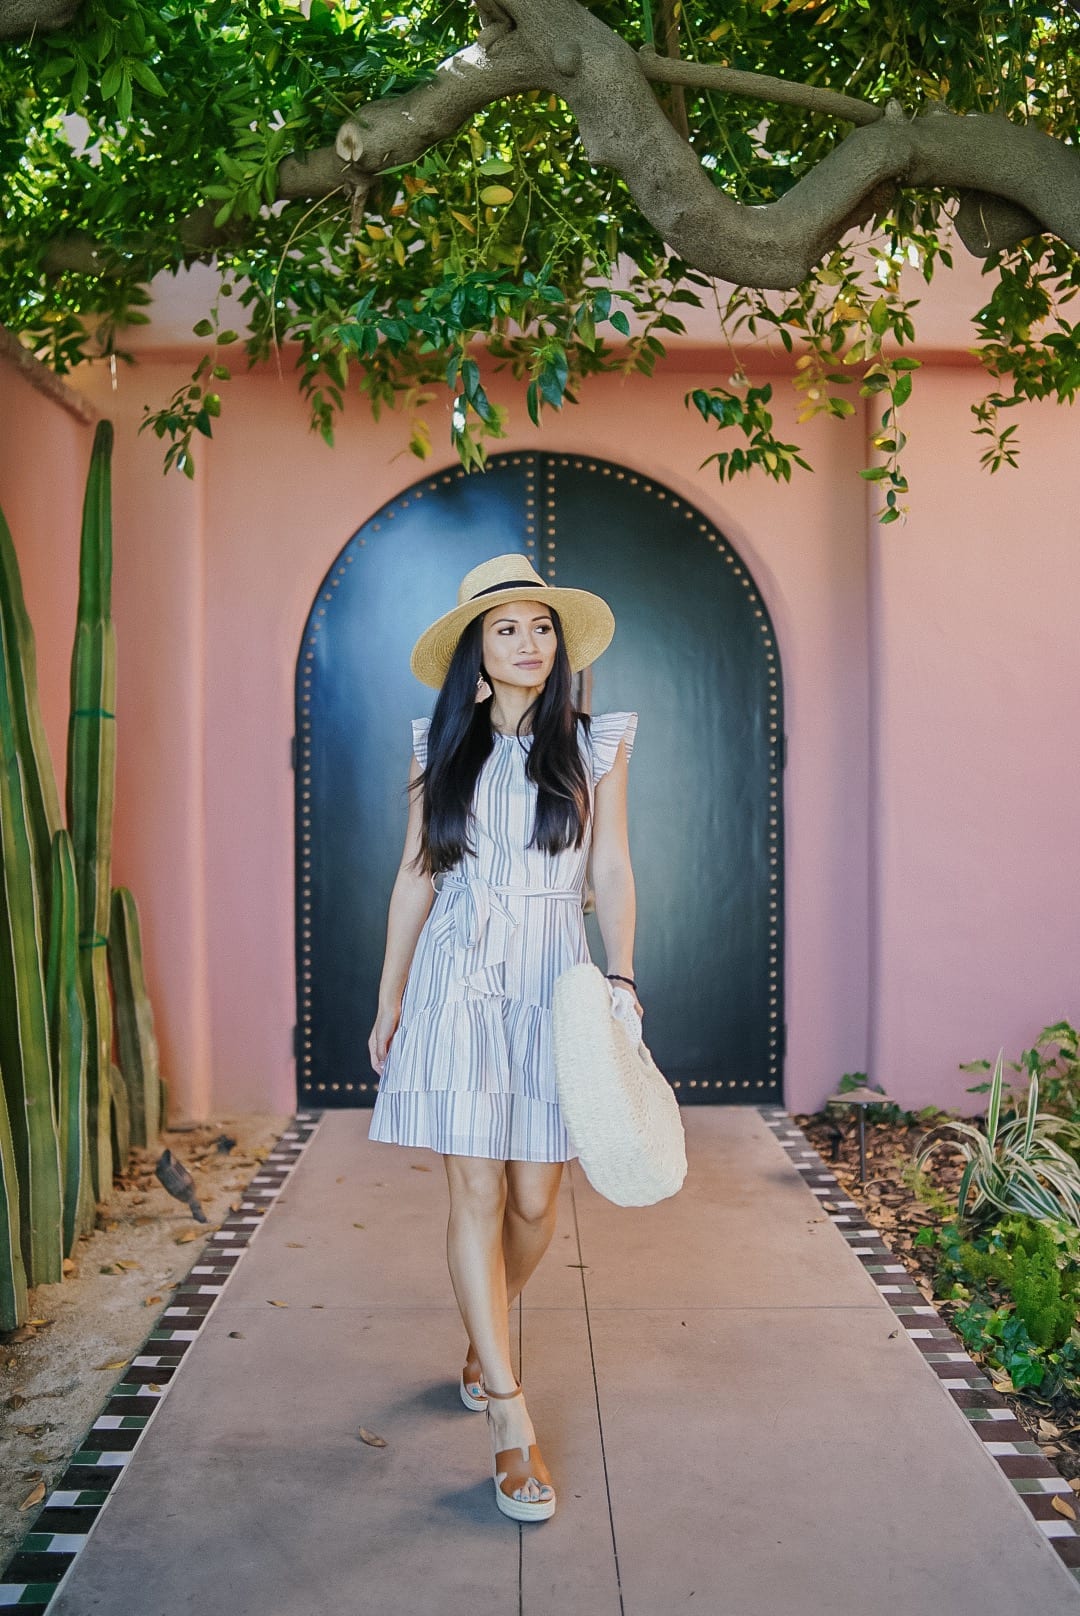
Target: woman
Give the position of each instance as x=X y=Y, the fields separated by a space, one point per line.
x=510 y=789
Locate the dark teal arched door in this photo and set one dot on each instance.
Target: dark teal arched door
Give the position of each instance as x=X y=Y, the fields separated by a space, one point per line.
x=694 y=654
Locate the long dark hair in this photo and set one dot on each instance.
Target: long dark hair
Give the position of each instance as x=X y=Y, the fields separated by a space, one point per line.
x=461 y=738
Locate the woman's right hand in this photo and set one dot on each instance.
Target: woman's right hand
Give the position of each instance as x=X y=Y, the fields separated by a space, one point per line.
x=382 y=1034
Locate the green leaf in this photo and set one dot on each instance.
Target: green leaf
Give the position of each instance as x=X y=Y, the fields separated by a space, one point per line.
x=123 y=96
x=620 y=322
x=875 y=382
x=879 y=317
x=203 y=329
x=144 y=74
x=110 y=80
x=586 y=330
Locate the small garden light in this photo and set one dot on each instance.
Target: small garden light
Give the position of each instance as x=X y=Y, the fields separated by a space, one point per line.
x=860 y=1098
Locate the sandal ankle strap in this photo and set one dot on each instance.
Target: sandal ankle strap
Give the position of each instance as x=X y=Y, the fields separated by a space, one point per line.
x=514 y=1393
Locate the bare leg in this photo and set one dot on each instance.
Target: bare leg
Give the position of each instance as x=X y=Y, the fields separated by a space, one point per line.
x=474 y=1255
x=529 y=1220
x=528 y=1223
x=492 y=1226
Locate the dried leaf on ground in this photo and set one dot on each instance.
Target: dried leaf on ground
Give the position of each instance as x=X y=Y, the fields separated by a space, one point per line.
x=371 y=1439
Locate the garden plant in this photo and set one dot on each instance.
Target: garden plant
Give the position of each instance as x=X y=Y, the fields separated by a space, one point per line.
x=70 y=956
x=990 y=1226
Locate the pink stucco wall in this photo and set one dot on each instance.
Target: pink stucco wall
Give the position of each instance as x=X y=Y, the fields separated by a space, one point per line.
x=929 y=670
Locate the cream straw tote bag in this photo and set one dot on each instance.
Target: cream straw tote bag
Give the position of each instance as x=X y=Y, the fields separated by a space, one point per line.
x=620 y=1112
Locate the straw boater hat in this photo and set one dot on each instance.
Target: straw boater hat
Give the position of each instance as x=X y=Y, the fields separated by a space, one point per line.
x=588 y=623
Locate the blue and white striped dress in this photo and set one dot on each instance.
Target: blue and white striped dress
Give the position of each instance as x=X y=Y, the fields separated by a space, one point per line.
x=470 y=1070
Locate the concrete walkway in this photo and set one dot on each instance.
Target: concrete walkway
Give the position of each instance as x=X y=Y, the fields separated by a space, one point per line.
x=736 y=1419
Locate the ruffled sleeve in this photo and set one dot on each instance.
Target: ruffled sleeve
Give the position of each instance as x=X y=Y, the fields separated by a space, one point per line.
x=606 y=731
x=420 y=727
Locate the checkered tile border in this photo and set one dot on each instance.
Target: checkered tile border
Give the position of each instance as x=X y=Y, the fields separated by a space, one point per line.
x=1029 y=1472
x=68 y=1514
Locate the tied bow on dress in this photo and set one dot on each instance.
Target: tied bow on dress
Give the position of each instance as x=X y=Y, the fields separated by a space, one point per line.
x=477 y=921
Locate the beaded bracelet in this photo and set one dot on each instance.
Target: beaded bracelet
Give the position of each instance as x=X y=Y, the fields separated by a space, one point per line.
x=613 y=976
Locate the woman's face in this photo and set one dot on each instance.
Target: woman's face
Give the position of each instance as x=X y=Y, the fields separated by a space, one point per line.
x=519 y=643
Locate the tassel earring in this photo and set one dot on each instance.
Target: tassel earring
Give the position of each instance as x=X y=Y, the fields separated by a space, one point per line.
x=483 y=689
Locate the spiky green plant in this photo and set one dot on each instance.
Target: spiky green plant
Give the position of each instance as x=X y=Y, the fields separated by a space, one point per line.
x=31 y=742
x=1019 y=1169
x=13 y=1298
x=67 y=1029
x=135 y=1040
x=121 y=1117
x=25 y=1052
x=91 y=779
x=29 y=868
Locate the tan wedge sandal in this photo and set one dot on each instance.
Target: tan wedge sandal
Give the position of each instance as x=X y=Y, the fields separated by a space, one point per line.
x=513 y=1467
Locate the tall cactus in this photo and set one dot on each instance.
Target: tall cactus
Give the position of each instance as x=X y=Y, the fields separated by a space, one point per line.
x=135 y=1040
x=25 y=1054
x=67 y=1029
x=13 y=1298
x=31 y=742
x=121 y=1117
x=91 y=778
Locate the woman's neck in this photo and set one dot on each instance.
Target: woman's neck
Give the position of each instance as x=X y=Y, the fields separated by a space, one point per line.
x=509 y=726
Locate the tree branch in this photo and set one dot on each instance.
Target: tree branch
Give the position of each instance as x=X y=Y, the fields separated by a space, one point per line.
x=1013 y=180
x=559 y=46
x=46 y=381
x=21 y=18
x=756 y=86
x=676 y=110
x=400 y=128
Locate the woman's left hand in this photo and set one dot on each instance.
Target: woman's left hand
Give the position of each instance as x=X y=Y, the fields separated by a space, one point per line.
x=626 y=988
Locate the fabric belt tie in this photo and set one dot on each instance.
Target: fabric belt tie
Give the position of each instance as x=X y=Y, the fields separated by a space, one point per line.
x=466 y=923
